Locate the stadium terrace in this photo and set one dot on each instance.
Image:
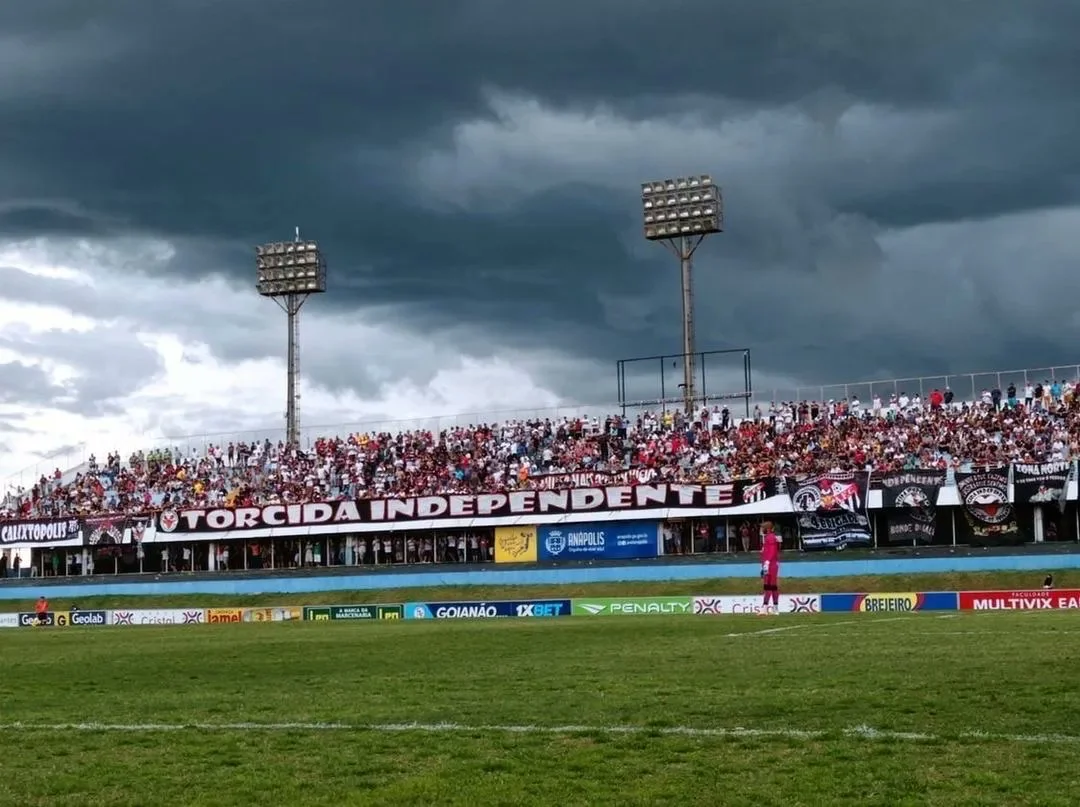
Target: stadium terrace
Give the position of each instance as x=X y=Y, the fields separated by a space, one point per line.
x=467 y=481
x=549 y=454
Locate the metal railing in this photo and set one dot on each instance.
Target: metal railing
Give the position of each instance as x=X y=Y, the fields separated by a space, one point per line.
x=68 y=460
x=965 y=386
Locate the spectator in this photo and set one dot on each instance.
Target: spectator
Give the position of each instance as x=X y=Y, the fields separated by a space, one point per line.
x=796 y=437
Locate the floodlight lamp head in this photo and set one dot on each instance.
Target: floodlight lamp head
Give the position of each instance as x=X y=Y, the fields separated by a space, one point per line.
x=680 y=207
x=290 y=268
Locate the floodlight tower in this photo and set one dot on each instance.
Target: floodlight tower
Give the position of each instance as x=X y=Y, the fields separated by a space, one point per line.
x=288 y=273
x=679 y=213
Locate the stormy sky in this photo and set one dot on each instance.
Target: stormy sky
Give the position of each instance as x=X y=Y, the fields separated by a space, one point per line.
x=901 y=186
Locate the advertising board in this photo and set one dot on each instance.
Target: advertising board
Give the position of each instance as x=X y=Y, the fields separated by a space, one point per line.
x=487 y=610
x=274 y=614
x=316 y=613
x=789 y=604
x=365 y=611
x=158 y=616
x=354 y=612
x=620 y=606
x=890 y=603
x=611 y=540
x=66 y=619
x=1037 y=600
x=9 y=620
x=515 y=544
x=218 y=615
x=28 y=619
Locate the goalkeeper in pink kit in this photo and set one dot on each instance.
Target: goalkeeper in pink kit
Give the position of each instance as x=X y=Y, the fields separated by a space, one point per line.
x=770 y=568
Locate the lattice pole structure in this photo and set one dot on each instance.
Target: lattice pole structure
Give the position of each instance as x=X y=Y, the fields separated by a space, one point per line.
x=288 y=273
x=680 y=213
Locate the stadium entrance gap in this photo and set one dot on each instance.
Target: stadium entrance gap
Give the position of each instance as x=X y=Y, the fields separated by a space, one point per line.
x=651 y=381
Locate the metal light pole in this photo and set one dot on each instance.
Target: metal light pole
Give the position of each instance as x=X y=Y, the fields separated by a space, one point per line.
x=679 y=213
x=288 y=273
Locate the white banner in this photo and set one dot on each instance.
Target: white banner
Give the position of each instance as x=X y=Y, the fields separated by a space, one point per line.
x=789 y=604
x=9 y=620
x=177 y=616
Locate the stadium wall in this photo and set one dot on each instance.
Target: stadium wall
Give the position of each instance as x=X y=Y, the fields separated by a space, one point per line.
x=652 y=572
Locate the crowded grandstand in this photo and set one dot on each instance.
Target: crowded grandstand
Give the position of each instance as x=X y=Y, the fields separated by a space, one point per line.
x=901 y=432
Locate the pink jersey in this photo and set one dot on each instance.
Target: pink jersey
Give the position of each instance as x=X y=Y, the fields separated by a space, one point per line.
x=770 y=548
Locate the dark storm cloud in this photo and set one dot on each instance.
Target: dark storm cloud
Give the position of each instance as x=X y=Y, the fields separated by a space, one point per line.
x=39 y=217
x=230 y=122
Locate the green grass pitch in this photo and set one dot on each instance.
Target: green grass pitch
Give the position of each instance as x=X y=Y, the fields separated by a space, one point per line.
x=955 y=709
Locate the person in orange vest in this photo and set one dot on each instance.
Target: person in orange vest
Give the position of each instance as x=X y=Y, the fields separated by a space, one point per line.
x=41 y=611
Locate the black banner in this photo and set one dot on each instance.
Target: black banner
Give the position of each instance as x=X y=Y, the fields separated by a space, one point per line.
x=830 y=510
x=592 y=479
x=469 y=507
x=1041 y=483
x=42 y=531
x=909 y=499
x=984 y=496
x=104 y=530
x=136 y=528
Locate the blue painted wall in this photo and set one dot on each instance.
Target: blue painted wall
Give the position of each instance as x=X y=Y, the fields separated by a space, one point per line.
x=520 y=577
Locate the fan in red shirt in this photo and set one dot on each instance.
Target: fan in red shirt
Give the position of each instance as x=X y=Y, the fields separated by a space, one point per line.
x=770 y=568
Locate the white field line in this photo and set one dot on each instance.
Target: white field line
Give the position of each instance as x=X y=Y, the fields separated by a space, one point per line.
x=818 y=625
x=765 y=631
x=886 y=619
x=862 y=732
x=908 y=617
x=878 y=636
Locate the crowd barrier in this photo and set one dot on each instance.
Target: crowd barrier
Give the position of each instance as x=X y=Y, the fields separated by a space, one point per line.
x=898 y=602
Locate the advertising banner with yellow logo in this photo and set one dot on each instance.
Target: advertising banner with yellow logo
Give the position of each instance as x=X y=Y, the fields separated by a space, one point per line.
x=891 y=602
x=275 y=614
x=66 y=619
x=515 y=544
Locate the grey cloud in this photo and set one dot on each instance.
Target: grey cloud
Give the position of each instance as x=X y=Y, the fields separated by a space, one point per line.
x=254 y=332
x=28 y=385
x=974 y=106
x=333 y=356
x=23 y=287
x=66 y=450
x=11 y=423
x=111 y=363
